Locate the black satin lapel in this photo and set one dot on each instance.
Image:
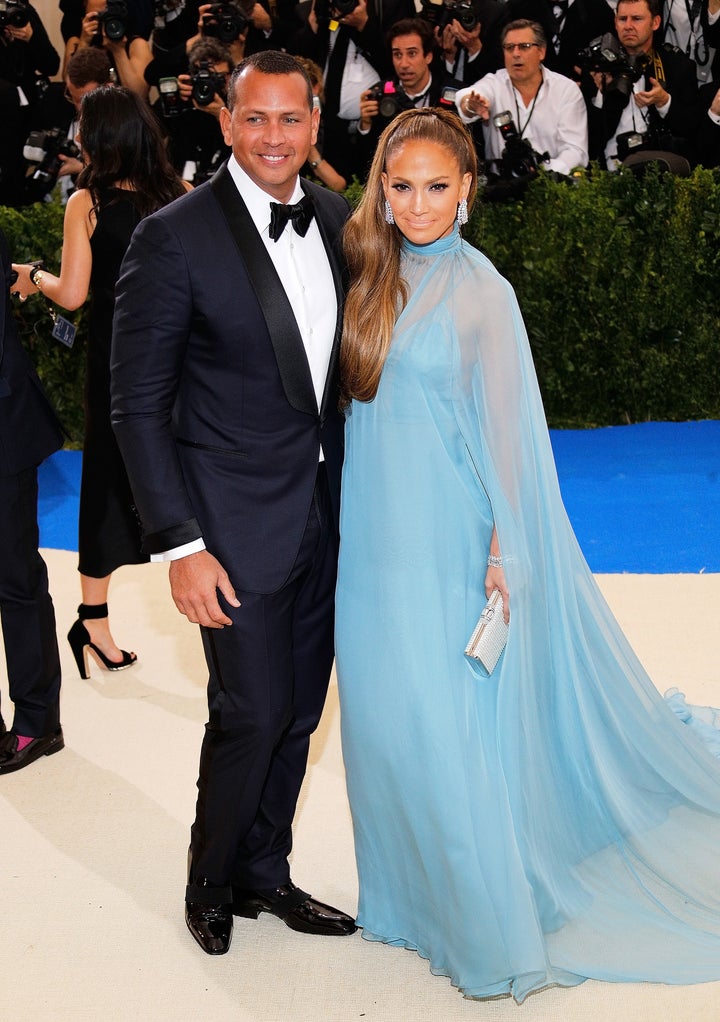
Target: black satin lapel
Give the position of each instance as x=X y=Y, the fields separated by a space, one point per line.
x=331 y=240
x=281 y=323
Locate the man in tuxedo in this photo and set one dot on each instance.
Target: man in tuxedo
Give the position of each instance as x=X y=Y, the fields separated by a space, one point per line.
x=29 y=432
x=225 y=349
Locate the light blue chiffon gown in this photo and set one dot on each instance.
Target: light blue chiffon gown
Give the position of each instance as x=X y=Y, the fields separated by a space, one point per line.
x=557 y=820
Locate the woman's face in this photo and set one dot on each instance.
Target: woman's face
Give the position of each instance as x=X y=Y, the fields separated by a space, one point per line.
x=423 y=185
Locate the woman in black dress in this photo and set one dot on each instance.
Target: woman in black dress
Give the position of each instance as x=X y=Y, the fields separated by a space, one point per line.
x=127 y=176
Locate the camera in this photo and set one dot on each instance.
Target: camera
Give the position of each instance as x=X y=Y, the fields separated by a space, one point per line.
x=605 y=54
x=518 y=158
x=14 y=14
x=171 y=104
x=390 y=99
x=113 y=22
x=441 y=14
x=205 y=83
x=328 y=9
x=224 y=21
x=44 y=149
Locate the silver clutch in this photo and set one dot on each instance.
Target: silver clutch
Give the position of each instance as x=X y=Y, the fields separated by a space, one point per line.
x=490 y=635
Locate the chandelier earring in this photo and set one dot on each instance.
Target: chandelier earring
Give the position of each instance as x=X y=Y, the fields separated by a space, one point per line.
x=462 y=213
x=389 y=218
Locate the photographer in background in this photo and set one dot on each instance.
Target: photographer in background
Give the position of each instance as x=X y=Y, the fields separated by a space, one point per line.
x=546 y=110
x=414 y=53
x=317 y=165
x=189 y=107
x=243 y=26
x=27 y=59
x=468 y=33
x=346 y=39
x=568 y=26
x=51 y=149
x=647 y=98
x=694 y=27
x=106 y=25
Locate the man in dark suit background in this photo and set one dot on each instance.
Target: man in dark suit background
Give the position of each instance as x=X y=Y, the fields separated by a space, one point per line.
x=29 y=433
x=225 y=407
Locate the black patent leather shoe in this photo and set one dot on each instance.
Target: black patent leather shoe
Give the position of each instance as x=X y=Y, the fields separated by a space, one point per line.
x=210 y=925
x=13 y=759
x=296 y=909
x=208 y=914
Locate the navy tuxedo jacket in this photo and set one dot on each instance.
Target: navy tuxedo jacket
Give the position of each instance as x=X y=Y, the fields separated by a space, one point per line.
x=213 y=405
x=29 y=430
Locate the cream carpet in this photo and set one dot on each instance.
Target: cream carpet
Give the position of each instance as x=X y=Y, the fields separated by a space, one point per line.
x=93 y=844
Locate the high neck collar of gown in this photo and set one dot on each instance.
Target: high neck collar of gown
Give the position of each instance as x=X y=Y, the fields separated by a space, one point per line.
x=450 y=241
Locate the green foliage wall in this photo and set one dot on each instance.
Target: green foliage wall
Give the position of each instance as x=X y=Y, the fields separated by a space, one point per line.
x=618 y=279
x=35 y=232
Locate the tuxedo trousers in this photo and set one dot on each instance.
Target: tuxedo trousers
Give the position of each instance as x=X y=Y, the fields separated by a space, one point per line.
x=26 y=609
x=268 y=678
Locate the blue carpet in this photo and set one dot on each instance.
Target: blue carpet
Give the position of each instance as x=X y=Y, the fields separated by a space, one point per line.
x=642 y=499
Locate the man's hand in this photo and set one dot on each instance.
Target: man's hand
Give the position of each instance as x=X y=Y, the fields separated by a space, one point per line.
x=654 y=96
x=194 y=581
x=475 y=105
x=69 y=165
x=447 y=43
x=357 y=18
x=368 y=110
x=469 y=40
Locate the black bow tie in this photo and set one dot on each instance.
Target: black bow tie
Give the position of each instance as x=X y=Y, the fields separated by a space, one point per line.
x=301 y=214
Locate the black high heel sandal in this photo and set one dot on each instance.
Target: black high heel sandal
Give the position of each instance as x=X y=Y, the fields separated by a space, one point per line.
x=79 y=639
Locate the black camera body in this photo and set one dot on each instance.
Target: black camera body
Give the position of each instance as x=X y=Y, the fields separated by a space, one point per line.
x=44 y=149
x=391 y=99
x=605 y=54
x=171 y=103
x=14 y=14
x=441 y=14
x=112 y=22
x=325 y=10
x=205 y=83
x=224 y=21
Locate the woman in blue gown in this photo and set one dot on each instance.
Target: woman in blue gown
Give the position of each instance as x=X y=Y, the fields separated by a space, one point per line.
x=556 y=820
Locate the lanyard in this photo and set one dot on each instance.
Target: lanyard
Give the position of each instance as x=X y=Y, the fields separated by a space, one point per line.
x=532 y=108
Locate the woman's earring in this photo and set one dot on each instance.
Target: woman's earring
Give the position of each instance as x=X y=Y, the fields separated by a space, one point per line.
x=389 y=218
x=462 y=213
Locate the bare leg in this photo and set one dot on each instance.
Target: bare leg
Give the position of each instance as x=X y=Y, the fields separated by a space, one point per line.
x=94 y=592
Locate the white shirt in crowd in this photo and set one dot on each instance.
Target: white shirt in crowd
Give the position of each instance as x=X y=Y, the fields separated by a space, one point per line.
x=555 y=121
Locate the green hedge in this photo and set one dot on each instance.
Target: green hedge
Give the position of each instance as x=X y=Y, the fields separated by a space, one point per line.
x=618 y=278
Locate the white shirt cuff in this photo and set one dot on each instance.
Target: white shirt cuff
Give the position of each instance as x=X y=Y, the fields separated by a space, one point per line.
x=193 y=547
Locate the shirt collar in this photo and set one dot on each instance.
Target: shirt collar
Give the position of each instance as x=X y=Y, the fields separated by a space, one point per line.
x=256 y=198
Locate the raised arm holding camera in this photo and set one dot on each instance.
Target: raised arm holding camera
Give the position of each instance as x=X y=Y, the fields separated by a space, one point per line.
x=106 y=25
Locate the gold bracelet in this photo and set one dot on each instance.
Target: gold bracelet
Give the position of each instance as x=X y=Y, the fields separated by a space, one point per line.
x=36 y=277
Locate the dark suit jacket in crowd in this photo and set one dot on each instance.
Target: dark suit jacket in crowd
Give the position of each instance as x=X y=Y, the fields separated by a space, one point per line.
x=707 y=136
x=213 y=404
x=29 y=430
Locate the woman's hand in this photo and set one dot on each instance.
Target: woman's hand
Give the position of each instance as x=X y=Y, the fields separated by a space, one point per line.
x=23 y=286
x=495 y=579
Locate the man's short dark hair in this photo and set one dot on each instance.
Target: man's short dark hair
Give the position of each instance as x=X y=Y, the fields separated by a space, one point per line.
x=654 y=6
x=269 y=62
x=90 y=64
x=413 y=26
x=534 y=26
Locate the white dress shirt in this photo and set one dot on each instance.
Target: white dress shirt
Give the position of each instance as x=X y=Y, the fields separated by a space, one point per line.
x=304 y=269
x=554 y=122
